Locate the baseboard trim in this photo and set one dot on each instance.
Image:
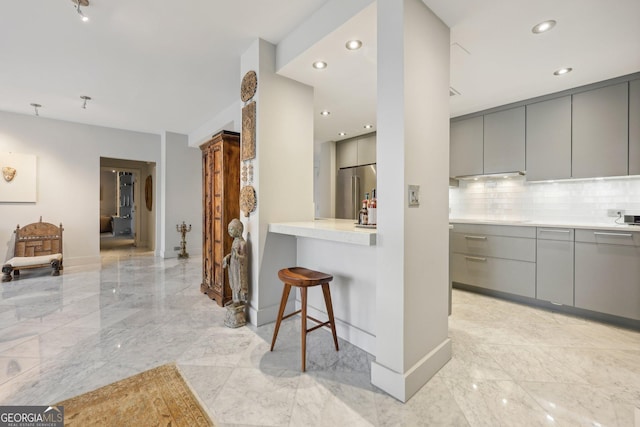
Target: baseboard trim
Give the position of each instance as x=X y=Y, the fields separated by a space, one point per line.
x=354 y=335
x=404 y=385
x=262 y=316
x=81 y=260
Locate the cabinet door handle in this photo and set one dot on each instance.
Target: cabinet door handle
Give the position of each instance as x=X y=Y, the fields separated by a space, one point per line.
x=475 y=258
x=542 y=230
x=597 y=233
x=476 y=237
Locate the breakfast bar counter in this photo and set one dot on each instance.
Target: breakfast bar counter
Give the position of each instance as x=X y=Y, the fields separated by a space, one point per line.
x=348 y=253
x=337 y=230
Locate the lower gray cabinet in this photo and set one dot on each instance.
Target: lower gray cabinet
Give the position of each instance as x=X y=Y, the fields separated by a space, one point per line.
x=554 y=266
x=607 y=272
x=498 y=274
x=499 y=258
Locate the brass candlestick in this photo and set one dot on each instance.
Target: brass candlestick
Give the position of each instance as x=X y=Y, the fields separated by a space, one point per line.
x=183 y=229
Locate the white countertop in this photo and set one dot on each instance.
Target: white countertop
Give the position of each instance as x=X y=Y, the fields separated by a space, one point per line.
x=337 y=230
x=612 y=226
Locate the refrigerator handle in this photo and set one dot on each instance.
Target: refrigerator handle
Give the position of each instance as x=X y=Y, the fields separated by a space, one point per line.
x=355 y=193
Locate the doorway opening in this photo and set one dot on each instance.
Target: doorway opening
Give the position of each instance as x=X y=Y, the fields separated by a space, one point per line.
x=127 y=211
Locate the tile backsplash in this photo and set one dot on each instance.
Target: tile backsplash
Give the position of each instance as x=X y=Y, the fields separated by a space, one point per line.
x=580 y=201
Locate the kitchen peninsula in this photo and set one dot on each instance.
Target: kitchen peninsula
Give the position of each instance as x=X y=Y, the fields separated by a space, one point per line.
x=338 y=247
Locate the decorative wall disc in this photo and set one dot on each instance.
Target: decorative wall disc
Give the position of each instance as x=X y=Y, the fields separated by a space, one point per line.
x=249 y=85
x=244 y=173
x=248 y=200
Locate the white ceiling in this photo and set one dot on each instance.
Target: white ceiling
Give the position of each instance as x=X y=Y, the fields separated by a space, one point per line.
x=149 y=65
x=156 y=65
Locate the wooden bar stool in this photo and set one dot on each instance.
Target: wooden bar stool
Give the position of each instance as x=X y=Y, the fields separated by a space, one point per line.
x=304 y=278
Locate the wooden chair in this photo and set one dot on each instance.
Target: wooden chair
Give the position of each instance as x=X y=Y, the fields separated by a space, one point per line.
x=303 y=279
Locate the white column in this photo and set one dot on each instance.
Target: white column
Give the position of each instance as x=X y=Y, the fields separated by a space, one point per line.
x=283 y=175
x=412 y=149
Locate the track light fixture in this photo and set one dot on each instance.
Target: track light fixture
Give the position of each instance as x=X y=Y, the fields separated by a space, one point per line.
x=85 y=98
x=35 y=107
x=79 y=11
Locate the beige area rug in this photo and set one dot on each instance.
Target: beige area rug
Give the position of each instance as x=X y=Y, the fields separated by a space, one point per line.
x=158 y=397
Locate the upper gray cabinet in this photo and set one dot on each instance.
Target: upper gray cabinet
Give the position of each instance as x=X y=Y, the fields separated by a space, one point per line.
x=367 y=149
x=356 y=151
x=465 y=147
x=634 y=127
x=504 y=141
x=600 y=132
x=347 y=153
x=549 y=139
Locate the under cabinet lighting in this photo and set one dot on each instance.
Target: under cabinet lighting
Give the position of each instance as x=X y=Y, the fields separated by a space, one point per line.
x=368 y=126
x=562 y=71
x=319 y=65
x=342 y=134
x=543 y=26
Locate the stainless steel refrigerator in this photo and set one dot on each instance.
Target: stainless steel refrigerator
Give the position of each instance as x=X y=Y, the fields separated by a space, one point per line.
x=351 y=186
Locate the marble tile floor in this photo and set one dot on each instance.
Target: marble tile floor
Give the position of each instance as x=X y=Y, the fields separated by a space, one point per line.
x=512 y=365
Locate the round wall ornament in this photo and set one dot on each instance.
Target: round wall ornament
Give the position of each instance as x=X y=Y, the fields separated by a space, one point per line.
x=249 y=85
x=248 y=199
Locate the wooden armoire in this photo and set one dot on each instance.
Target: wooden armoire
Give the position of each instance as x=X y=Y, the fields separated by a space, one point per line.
x=220 y=204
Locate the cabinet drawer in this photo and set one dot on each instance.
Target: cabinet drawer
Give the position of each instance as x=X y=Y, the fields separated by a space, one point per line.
x=514 y=277
x=494 y=246
x=495 y=230
x=552 y=233
x=622 y=237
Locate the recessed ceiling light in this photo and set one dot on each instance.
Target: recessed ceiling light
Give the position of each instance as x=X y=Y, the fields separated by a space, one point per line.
x=368 y=126
x=543 y=26
x=562 y=71
x=342 y=134
x=353 y=44
x=319 y=65
x=325 y=113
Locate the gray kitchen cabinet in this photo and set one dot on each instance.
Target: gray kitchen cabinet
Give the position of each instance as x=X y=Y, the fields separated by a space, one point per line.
x=466 y=147
x=347 y=153
x=607 y=272
x=554 y=265
x=500 y=258
x=600 y=132
x=634 y=127
x=548 y=139
x=366 y=149
x=504 y=141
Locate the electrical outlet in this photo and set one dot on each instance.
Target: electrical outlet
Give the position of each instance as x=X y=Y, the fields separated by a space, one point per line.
x=615 y=213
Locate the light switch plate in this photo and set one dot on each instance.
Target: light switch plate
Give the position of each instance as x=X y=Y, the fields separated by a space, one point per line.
x=414 y=196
